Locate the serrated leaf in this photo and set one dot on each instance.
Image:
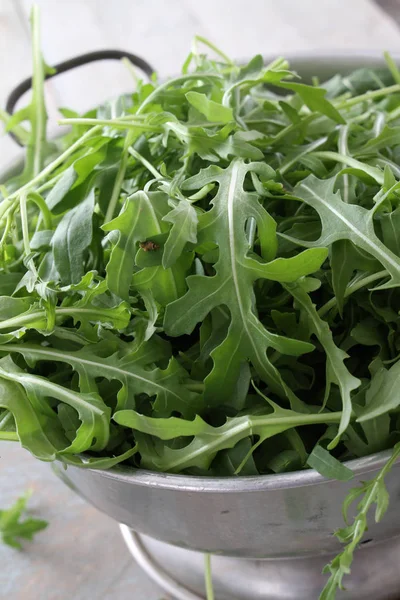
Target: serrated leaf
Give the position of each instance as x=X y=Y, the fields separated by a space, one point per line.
x=139 y=220
x=336 y=370
x=71 y=240
x=207 y=440
x=131 y=370
x=232 y=284
x=213 y=111
x=346 y=221
x=383 y=393
x=184 y=229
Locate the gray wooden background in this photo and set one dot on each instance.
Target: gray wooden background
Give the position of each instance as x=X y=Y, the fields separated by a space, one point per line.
x=81 y=555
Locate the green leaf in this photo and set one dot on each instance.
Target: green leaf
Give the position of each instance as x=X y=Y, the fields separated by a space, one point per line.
x=29 y=423
x=71 y=240
x=139 y=220
x=213 y=111
x=94 y=415
x=345 y=259
x=184 y=229
x=336 y=370
x=389 y=136
x=390 y=224
x=371 y=492
x=131 y=370
x=314 y=98
x=346 y=221
x=233 y=283
x=207 y=440
x=13 y=527
x=327 y=465
x=383 y=394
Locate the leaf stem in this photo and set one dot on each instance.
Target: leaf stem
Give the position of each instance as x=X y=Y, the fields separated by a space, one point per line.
x=371 y=95
x=41 y=204
x=351 y=162
x=351 y=288
x=206 y=42
x=25 y=231
x=208 y=577
x=10 y=201
x=146 y=163
x=392 y=67
x=39 y=118
x=116 y=191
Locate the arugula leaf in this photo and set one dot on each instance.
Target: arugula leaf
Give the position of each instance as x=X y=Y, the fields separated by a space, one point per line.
x=131 y=370
x=12 y=526
x=346 y=221
x=371 y=492
x=139 y=220
x=232 y=284
x=327 y=465
x=210 y=109
x=184 y=229
x=207 y=440
x=71 y=240
x=383 y=394
x=336 y=370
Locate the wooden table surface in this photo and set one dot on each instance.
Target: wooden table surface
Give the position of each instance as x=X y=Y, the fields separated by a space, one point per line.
x=81 y=556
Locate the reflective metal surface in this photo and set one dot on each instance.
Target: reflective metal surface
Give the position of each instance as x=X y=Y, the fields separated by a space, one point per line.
x=288 y=515
x=374 y=575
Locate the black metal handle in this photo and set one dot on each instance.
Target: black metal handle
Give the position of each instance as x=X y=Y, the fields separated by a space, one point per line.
x=72 y=63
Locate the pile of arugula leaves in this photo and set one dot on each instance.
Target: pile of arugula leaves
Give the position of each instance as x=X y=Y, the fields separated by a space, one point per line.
x=203 y=276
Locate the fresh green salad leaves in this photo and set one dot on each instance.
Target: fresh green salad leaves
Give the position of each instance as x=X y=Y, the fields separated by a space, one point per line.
x=216 y=263
x=13 y=527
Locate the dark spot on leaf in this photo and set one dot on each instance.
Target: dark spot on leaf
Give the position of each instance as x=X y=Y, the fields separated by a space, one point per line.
x=149 y=246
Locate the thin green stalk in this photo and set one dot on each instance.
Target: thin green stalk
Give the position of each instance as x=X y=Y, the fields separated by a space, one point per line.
x=25 y=231
x=213 y=47
x=39 y=119
x=6 y=231
x=26 y=318
x=208 y=577
x=392 y=67
x=116 y=123
x=344 y=150
x=351 y=162
x=116 y=192
x=353 y=287
x=10 y=202
x=145 y=163
x=131 y=69
x=371 y=95
x=42 y=206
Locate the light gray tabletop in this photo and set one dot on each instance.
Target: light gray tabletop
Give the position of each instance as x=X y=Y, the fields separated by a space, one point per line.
x=81 y=556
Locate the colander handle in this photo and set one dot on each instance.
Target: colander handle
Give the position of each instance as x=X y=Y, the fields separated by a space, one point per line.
x=72 y=63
